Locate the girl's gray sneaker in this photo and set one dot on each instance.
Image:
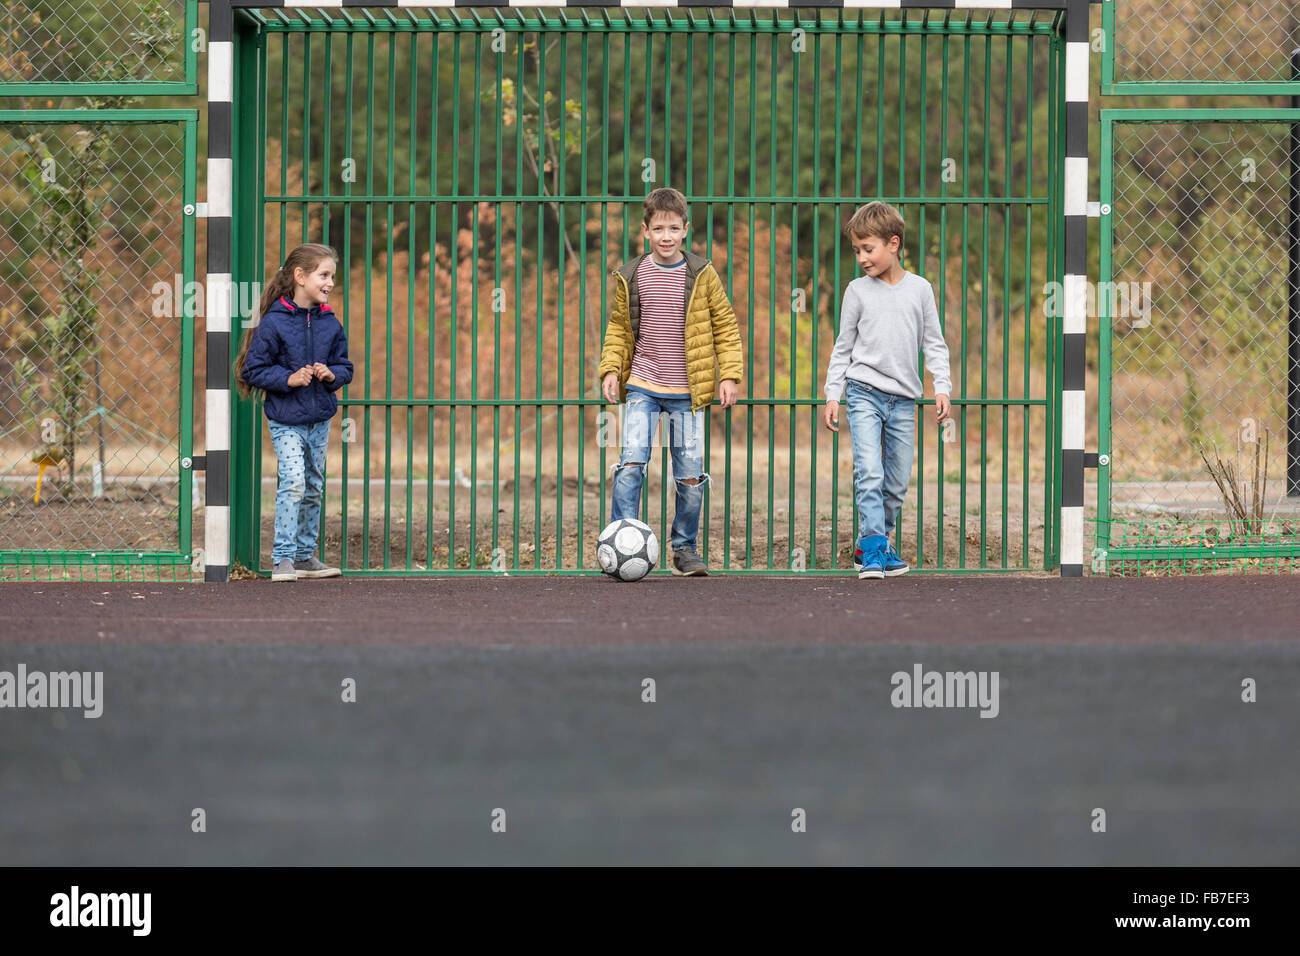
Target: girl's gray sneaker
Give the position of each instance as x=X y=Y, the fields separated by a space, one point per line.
x=284 y=571
x=312 y=568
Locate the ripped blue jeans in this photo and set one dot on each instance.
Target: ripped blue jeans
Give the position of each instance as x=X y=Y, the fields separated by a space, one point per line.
x=683 y=429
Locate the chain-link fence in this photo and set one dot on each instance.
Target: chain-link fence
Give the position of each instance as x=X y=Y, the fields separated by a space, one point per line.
x=1201 y=327
x=1208 y=42
x=55 y=45
x=92 y=331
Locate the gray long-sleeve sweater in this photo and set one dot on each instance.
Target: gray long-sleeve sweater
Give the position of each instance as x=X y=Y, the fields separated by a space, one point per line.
x=882 y=329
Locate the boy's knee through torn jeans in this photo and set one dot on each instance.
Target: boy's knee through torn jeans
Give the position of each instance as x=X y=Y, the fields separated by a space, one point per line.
x=683 y=430
x=883 y=429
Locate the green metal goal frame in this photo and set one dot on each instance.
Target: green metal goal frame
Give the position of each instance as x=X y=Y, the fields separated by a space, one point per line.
x=252 y=32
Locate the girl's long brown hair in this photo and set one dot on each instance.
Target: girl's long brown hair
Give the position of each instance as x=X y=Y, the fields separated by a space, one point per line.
x=305 y=257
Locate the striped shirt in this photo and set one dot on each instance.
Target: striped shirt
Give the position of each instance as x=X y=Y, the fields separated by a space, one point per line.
x=660 y=354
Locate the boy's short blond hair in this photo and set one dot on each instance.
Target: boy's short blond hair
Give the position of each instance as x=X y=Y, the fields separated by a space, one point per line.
x=665 y=199
x=877 y=219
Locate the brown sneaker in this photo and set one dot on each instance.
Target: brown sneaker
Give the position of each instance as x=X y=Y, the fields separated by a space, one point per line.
x=688 y=564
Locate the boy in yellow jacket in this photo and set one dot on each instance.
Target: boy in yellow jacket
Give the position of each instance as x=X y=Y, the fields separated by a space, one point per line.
x=672 y=335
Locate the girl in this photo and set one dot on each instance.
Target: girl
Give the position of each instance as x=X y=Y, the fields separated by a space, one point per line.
x=297 y=355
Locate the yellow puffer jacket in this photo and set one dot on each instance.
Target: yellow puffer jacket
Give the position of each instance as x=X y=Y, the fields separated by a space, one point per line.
x=713 y=348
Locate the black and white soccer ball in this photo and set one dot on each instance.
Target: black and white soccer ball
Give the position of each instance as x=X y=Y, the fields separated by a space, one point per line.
x=627 y=549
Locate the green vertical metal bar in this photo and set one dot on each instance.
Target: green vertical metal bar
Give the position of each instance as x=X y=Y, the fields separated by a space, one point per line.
x=454 y=344
x=347 y=272
x=668 y=105
x=902 y=116
x=1029 y=232
x=771 y=305
x=369 y=260
x=413 y=87
x=306 y=132
x=902 y=192
x=860 y=100
x=325 y=140
x=627 y=188
x=985 y=210
x=710 y=97
x=943 y=283
x=836 y=239
x=920 y=261
x=583 y=376
x=627 y=143
x=604 y=231
x=1056 y=219
x=325 y=223
x=284 y=141
x=560 y=252
x=1005 y=327
x=749 y=359
x=1108 y=57
x=520 y=79
x=690 y=191
x=473 y=298
x=965 y=276
x=663 y=445
x=814 y=356
x=189 y=163
x=794 y=317
x=1053 y=249
x=430 y=390
x=1105 y=371
x=388 y=304
x=498 y=208
x=191 y=54
x=253 y=77
x=690 y=115
x=880 y=114
x=541 y=223
x=731 y=295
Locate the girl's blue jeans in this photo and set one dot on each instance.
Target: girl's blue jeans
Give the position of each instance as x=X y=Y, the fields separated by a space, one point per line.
x=683 y=429
x=300 y=451
x=883 y=428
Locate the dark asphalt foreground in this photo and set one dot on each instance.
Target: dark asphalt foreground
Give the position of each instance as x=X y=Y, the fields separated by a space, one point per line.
x=772 y=694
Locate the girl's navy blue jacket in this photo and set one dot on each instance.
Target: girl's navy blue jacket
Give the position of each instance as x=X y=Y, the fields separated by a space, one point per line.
x=287 y=338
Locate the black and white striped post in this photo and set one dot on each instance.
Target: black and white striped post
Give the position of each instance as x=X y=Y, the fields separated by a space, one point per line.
x=1075 y=318
x=221 y=88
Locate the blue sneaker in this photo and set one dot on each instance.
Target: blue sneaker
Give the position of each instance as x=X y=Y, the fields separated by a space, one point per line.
x=869 y=555
x=893 y=564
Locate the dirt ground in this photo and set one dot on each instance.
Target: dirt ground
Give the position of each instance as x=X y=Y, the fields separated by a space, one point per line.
x=537 y=544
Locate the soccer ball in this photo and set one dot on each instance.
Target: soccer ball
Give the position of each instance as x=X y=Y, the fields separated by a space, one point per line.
x=627 y=549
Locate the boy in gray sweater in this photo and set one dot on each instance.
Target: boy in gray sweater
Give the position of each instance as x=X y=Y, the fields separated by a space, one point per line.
x=888 y=316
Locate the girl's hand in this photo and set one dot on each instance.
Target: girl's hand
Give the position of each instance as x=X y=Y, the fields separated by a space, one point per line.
x=323 y=372
x=728 y=392
x=301 y=377
x=609 y=387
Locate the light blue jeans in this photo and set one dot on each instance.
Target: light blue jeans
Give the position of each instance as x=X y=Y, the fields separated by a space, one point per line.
x=300 y=452
x=883 y=428
x=683 y=429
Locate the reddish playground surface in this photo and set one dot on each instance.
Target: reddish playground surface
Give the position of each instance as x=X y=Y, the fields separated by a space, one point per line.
x=573 y=611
